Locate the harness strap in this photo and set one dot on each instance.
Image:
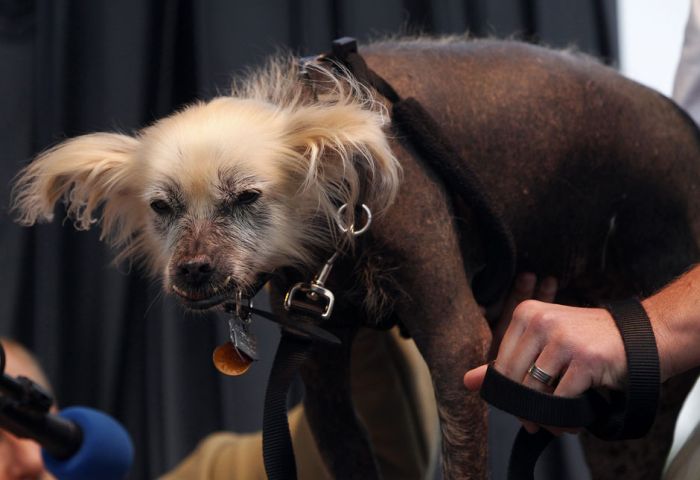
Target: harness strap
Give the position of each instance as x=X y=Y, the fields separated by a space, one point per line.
x=624 y=416
x=305 y=330
x=428 y=139
x=426 y=136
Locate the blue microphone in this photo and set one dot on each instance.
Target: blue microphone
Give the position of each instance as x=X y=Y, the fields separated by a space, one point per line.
x=79 y=443
x=103 y=449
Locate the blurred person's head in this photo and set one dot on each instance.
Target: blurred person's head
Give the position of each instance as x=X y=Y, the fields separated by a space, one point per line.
x=20 y=458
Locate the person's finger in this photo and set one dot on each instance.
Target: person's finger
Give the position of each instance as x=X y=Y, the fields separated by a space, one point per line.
x=547 y=290
x=523 y=289
x=574 y=382
x=552 y=362
x=531 y=427
x=474 y=378
x=522 y=316
x=515 y=364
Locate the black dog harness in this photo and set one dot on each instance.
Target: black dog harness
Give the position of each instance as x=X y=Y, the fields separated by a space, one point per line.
x=624 y=416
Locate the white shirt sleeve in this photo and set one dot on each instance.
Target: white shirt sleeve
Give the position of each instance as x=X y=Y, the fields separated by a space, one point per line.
x=686 y=87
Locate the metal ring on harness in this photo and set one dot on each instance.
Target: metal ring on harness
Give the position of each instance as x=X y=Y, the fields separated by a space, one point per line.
x=345 y=229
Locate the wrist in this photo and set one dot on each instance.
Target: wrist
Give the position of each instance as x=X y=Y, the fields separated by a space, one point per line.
x=676 y=325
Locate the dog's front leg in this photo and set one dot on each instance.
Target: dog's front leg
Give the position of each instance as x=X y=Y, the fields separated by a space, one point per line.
x=443 y=318
x=452 y=336
x=439 y=311
x=340 y=436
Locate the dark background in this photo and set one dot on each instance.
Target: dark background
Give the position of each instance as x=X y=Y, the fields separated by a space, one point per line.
x=106 y=336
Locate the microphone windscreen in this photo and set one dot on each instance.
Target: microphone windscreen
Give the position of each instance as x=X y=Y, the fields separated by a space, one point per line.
x=106 y=451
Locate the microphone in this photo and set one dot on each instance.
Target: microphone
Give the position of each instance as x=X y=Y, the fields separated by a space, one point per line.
x=79 y=443
x=103 y=448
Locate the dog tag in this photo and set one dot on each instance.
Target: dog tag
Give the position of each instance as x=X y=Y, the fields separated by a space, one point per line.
x=230 y=361
x=235 y=356
x=241 y=337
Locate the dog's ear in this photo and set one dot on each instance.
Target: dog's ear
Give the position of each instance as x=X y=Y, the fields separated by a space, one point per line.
x=86 y=171
x=344 y=153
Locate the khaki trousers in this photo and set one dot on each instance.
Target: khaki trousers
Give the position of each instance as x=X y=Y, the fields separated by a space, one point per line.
x=393 y=395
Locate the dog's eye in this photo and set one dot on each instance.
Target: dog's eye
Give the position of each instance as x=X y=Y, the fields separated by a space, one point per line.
x=161 y=207
x=248 y=196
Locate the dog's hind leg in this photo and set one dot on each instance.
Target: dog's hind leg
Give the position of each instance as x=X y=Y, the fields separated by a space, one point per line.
x=340 y=436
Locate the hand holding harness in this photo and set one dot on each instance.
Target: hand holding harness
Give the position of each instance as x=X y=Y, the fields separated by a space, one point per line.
x=625 y=416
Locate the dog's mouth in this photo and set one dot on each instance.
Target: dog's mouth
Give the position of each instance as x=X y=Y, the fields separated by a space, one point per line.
x=205 y=298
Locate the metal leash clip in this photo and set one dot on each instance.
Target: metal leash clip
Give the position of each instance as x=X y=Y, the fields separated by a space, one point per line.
x=239 y=328
x=314 y=297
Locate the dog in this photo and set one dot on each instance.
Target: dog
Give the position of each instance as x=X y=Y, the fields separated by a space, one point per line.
x=595 y=177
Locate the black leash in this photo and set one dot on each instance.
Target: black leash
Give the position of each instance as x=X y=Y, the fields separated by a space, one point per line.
x=625 y=416
x=310 y=303
x=296 y=342
x=278 y=453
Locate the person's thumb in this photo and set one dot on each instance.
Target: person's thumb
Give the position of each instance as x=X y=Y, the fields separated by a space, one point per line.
x=475 y=377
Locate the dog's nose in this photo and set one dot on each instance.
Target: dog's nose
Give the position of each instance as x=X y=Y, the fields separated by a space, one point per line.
x=195 y=270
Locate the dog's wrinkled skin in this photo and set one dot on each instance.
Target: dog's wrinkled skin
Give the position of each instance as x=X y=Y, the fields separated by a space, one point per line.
x=595 y=176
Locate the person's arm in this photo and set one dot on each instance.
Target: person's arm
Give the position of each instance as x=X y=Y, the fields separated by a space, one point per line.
x=675 y=316
x=583 y=348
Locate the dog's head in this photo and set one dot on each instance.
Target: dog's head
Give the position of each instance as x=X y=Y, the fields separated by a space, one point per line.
x=221 y=192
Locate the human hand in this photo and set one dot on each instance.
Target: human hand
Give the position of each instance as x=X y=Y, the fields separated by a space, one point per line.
x=525 y=287
x=579 y=346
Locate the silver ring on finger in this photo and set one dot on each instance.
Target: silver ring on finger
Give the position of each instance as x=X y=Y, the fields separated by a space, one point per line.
x=541 y=376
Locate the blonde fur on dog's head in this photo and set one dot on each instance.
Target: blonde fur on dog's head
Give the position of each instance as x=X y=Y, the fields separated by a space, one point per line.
x=222 y=191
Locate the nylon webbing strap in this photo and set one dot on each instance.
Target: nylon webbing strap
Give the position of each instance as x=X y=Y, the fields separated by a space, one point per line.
x=344 y=50
x=527 y=449
x=624 y=417
x=278 y=453
x=543 y=408
x=643 y=372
